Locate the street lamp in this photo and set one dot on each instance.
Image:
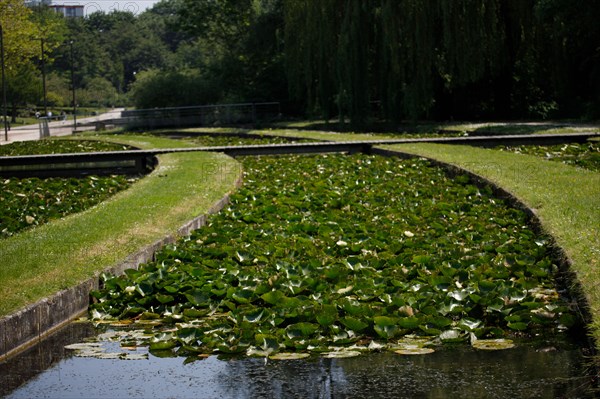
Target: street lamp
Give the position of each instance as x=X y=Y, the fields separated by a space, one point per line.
x=73 y=88
x=44 y=78
x=3 y=85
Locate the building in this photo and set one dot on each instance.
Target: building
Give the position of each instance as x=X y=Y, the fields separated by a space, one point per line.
x=66 y=10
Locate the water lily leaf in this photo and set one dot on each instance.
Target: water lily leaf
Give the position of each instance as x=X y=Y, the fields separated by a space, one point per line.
x=149 y=316
x=171 y=289
x=144 y=288
x=354 y=307
x=85 y=346
x=519 y=326
x=385 y=321
x=386 y=331
x=266 y=343
x=301 y=330
x=414 y=351
x=162 y=345
x=255 y=315
x=468 y=323
x=273 y=297
x=459 y=295
x=440 y=321
x=341 y=354
x=289 y=356
x=189 y=335
x=195 y=313
x=421 y=259
x=242 y=296
x=197 y=297
x=452 y=336
x=164 y=298
x=493 y=344
x=354 y=324
x=134 y=356
x=327 y=315
x=409 y=322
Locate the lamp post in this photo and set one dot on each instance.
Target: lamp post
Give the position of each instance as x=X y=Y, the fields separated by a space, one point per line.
x=5 y=117
x=44 y=79
x=73 y=88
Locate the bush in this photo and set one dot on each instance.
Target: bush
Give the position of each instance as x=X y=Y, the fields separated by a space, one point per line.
x=157 y=89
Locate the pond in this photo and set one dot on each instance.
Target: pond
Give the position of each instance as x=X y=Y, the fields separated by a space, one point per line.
x=317 y=255
x=538 y=369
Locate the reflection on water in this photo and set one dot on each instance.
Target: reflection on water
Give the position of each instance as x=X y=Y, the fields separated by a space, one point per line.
x=543 y=370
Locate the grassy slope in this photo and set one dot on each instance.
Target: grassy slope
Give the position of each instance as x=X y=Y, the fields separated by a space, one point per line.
x=44 y=260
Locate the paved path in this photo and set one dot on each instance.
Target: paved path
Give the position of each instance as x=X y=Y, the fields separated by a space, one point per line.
x=57 y=128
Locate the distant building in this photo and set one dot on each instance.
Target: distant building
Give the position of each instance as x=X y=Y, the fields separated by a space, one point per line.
x=35 y=3
x=66 y=10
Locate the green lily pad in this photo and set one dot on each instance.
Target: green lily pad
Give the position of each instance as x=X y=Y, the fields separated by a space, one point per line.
x=493 y=344
x=414 y=351
x=289 y=356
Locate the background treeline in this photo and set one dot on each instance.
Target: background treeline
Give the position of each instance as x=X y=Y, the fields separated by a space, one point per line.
x=358 y=59
x=442 y=59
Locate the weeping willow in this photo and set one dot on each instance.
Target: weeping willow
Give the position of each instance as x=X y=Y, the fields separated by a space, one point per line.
x=417 y=57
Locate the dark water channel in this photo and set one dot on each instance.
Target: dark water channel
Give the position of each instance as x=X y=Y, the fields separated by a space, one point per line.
x=544 y=369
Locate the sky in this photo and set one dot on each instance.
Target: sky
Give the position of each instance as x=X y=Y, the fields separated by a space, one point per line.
x=90 y=6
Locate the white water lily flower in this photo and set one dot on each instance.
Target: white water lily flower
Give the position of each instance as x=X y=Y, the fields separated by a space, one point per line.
x=130 y=289
x=409 y=233
x=342 y=243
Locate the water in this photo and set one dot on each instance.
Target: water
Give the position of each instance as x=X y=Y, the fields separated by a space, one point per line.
x=541 y=370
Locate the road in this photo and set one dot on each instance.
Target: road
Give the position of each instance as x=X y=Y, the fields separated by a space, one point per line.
x=57 y=128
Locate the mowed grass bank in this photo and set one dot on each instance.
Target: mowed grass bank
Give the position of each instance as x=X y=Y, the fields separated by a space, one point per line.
x=58 y=255
x=565 y=198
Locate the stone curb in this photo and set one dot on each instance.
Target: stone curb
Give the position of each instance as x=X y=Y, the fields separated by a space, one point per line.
x=33 y=323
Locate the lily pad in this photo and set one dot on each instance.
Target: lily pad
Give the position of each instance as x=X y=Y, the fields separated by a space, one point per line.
x=289 y=356
x=414 y=351
x=493 y=344
x=341 y=354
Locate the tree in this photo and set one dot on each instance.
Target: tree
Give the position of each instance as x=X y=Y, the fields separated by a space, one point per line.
x=444 y=59
x=18 y=30
x=157 y=88
x=23 y=87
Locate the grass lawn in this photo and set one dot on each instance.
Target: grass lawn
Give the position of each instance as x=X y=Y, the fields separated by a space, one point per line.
x=44 y=260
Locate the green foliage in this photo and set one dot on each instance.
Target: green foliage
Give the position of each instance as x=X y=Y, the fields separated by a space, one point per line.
x=443 y=59
x=176 y=88
x=327 y=251
x=19 y=32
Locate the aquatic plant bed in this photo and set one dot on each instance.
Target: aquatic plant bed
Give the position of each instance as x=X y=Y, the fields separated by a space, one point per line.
x=586 y=155
x=58 y=146
x=31 y=202
x=335 y=255
x=231 y=139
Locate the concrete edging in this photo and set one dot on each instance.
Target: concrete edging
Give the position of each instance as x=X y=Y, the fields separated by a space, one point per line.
x=33 y=323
